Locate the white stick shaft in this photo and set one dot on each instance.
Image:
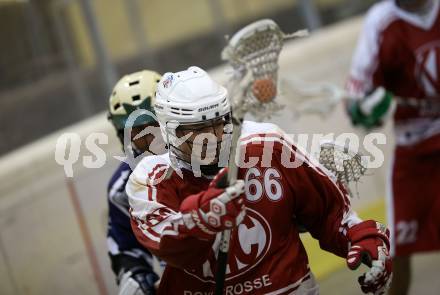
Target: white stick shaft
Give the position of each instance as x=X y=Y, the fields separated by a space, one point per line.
x=232 y=175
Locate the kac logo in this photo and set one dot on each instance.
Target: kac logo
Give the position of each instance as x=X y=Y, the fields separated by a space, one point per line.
x=250 y=243
x=428 y=68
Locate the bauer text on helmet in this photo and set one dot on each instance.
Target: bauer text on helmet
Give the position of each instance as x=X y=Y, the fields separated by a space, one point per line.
x=194 y=115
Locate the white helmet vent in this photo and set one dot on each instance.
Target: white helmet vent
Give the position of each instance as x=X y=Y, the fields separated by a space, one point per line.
x=182 y=112
x=225 y=102
x=136 y=97
x=188 y=97
x=133 y=83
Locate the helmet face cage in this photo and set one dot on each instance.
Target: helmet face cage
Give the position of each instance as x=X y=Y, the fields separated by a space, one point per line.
x=215 y=143
x=148 y=135
x=414 y=5
x=131 y=107
x=190 y=105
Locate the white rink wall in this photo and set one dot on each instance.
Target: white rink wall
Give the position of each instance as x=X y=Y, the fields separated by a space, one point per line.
x=42 y=245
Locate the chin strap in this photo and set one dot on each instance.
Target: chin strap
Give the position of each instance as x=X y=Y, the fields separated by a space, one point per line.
x=207 y=171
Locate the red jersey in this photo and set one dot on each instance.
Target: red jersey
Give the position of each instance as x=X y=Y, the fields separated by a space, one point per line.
x=401 y=52
x=266 y=254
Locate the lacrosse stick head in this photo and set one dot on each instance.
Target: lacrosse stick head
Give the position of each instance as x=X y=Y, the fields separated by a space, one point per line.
x=347 y=166
x=253 y=54
x=310 y=98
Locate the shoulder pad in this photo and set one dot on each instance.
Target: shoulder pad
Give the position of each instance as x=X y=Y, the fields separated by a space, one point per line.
x=150 y=167
x=380 y=16
x=250 y=127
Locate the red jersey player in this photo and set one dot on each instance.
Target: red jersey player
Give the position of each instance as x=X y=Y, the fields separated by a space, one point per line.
x=399 y=54
x=178 y=209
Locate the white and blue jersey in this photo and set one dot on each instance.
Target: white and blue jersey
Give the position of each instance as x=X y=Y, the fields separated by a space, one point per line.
x=124 y=250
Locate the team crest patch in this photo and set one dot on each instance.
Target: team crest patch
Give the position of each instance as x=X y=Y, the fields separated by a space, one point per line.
x=251 y=241
x=168 y=81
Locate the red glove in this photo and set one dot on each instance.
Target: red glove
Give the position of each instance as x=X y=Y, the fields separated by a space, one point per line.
x=218 y=208
x=370 y=244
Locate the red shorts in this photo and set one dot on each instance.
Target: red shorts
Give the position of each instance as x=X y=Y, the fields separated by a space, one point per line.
x=414 y=214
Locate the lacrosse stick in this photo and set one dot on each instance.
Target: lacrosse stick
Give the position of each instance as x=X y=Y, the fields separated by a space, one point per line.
x=254 y=59
x=310 y=98
x=322 y=98
x=347 y=166
x=253 y=54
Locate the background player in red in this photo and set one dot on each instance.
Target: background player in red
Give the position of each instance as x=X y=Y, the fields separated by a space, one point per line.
x=398 y=54
x=179 y=210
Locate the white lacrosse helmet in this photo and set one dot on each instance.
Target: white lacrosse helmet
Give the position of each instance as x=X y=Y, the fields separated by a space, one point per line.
x=188 y=97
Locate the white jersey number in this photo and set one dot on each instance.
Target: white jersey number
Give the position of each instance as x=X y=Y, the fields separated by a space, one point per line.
x=406 y=232
x=270 y=184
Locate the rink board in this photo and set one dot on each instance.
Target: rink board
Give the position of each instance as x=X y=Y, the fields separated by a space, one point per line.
x=43 y=238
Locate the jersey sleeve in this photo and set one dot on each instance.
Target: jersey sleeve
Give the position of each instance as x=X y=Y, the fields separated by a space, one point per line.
x=374 y=56
x=124 y=250
x=156 y=218
x=321 y=205
x=120 y=237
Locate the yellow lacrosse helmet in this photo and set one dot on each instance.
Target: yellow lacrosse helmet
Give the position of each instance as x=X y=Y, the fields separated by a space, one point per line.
x=133 y=92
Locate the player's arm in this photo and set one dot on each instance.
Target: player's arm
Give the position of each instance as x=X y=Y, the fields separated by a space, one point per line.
x=368 y=102
x=131 y=263
x=323 y=207
x=182 y=233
